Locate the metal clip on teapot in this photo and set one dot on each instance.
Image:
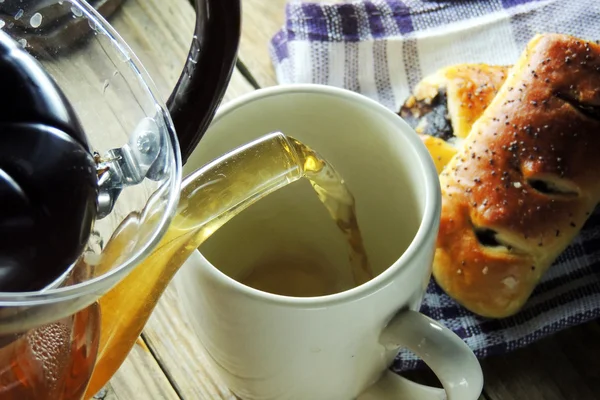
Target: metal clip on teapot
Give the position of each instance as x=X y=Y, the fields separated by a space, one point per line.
x=94 y=220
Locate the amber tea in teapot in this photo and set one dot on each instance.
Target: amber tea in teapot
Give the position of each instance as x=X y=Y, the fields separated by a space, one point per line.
x=88 y=146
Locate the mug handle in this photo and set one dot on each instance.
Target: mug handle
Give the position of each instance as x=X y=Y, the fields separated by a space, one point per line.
x=445 y=353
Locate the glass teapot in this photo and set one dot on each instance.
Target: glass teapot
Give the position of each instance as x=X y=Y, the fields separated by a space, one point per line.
x=65 y=339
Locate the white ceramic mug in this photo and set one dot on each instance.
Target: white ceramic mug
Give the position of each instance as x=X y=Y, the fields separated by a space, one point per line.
x=337 y=347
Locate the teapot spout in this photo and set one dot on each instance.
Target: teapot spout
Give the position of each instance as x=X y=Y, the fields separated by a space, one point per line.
x=210 y=197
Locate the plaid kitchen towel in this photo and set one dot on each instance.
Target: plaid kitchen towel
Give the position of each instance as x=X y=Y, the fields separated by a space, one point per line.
x=382 y=49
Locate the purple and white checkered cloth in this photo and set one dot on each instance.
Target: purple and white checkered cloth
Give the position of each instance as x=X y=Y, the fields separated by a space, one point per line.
x=382 y=49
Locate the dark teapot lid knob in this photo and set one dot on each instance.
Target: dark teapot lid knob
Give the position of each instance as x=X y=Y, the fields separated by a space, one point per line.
x=48 y=179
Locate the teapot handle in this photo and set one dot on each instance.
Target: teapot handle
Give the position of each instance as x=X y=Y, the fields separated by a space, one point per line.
x=207 y=70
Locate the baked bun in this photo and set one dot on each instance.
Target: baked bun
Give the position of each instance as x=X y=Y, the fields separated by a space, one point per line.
x=525 y=179
x=445 y=105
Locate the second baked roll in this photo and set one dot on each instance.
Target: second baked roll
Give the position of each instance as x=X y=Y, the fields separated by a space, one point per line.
x=525 y=179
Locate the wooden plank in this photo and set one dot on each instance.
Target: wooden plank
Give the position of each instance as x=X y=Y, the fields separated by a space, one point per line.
x=140 y=377
x=238 y=86
x=180 y=354
x=107 y=393
x=561 y=367
x=427 y=377
x=261 y=19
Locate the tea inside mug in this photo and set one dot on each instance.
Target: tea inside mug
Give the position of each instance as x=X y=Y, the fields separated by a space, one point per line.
x=297 y=271
x=297 y=275
x=377 y=166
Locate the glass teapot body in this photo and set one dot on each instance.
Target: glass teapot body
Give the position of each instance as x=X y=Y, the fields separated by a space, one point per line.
x=52 y=339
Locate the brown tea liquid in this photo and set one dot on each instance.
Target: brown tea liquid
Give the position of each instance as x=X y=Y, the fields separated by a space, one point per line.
x=52 y=362
x=335 y=196
x=299 y=273
x=209 y=198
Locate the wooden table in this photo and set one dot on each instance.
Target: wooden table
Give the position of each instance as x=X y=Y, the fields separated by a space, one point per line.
x=168 y=362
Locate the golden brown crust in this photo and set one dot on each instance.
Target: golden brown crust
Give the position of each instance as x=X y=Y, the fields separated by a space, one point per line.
x=471 y=88
x=465 y=90
x=525 y=179
x=440 y=150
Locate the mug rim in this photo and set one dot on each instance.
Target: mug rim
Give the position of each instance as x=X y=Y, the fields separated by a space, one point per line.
x=427 y=227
